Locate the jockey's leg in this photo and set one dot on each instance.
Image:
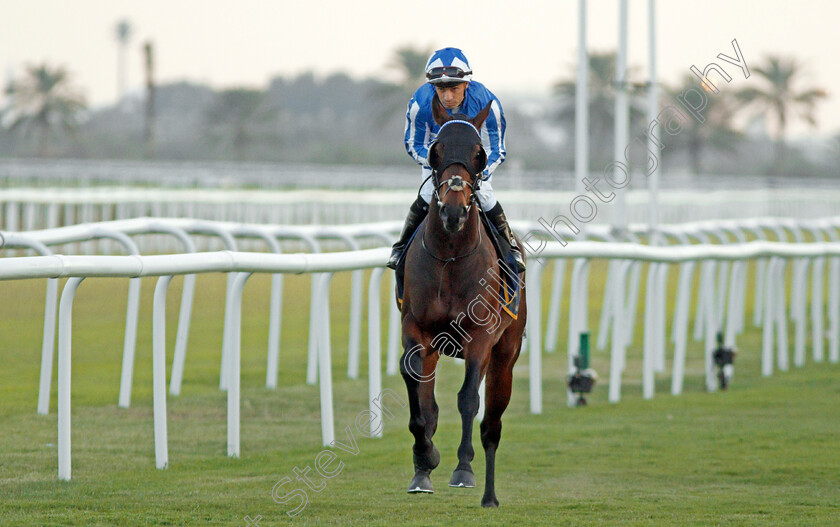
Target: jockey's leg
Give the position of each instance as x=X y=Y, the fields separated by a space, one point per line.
x=493 y=209
x=416 y=213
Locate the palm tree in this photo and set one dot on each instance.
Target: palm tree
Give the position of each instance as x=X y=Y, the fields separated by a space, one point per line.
x=233 y=118
x=716 y=133
x=601 y=102
x=411 y=64
x=149 y=116
x=41 y=101
x=779 y=99
x=123 y=34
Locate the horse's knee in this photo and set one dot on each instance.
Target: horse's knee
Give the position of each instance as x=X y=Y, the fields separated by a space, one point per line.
x=411 y=363
x=417 y=425
x=468 y=401
x=491 y=432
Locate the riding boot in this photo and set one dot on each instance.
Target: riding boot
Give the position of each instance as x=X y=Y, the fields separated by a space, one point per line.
x=416 y=213
x=497 y=216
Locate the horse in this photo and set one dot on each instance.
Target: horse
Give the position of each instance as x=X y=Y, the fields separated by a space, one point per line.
x=446 y=307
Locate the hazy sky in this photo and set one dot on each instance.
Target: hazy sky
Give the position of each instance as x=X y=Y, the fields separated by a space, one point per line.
x=514 y=47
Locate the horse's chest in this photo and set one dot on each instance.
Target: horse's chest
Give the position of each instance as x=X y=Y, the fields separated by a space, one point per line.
x=438 y=312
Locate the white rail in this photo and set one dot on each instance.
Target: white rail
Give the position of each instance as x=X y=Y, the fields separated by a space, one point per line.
x=243 y=264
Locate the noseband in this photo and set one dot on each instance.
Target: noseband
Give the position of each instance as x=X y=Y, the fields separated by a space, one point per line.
x=455 y=184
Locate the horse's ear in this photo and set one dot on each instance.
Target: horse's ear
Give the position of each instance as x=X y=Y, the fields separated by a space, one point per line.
x=479 y=159
x=479 y=118
x=434 y=155
x=438 y=112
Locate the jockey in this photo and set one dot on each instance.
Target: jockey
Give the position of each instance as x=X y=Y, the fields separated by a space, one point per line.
x=449 y=75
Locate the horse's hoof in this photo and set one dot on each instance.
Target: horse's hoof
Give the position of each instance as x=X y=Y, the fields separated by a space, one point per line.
x=489 y=502
x=462 y=478
x=421 y=483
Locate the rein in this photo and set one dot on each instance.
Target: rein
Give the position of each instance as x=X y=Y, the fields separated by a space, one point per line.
x=455 y=184
x=446 y=261
x=453 y=258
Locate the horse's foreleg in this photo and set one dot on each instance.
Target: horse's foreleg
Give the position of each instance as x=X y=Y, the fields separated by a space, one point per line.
x=499 y=384
x=418 y=369
x=468 y=407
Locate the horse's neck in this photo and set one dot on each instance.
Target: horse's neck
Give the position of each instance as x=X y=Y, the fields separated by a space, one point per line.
x=445 y=245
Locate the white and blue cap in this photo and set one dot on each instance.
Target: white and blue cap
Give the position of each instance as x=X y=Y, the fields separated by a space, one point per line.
x=448 y=65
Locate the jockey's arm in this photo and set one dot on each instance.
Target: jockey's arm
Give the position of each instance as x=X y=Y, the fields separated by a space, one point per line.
x=416 y=133
x=493 y=138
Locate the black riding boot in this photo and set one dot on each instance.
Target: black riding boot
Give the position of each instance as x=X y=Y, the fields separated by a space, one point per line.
x=497 y=216
x=416 y=213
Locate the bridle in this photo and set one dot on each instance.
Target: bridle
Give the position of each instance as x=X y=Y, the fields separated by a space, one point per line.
x=455 y=184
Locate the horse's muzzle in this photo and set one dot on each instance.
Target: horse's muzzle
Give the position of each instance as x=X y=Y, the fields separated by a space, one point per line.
x=454 y=217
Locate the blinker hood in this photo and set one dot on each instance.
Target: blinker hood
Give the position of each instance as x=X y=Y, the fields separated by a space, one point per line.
x=457 y=139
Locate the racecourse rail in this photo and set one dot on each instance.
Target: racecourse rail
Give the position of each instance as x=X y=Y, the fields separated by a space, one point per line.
x=29 y=209
x=618 y=303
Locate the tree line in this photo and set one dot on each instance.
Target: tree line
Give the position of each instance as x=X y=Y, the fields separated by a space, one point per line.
x=338 y=119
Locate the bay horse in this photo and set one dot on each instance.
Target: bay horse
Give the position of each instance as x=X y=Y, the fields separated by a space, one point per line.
x=446 y=307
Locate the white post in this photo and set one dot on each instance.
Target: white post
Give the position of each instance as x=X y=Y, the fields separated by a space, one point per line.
x=582 y=104
x=661 y=318
x=276 y=314
x=65 y=330
x=834 y=312
x=621 y=120
x=800 y=310
x=577 y=308
x=781 y=317
x=159 y=371
x=181 y=336
x=768 y=319
x=482 y=390
x=553 y=323
x=47 y=346
x=618 y=343
x=681 y=327
x=132 y=312
x=648 y=352
x=632 y=303
x=234 y=363
x=710 y=329
x=223 y=375
x=533 y=279
x=354 y=344
x=374 y=351
x=609 y=308
x=187 y=293
x=834 y=304
x=817 y=284
x=394 y=332
x=312 y=362
x=578 y=313
x=325 y=360
x=653 y=112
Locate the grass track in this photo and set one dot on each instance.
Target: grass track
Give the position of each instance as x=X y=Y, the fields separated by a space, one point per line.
x=763 y=453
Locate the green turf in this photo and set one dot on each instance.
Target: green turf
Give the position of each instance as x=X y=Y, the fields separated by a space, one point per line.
x=764 y=452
